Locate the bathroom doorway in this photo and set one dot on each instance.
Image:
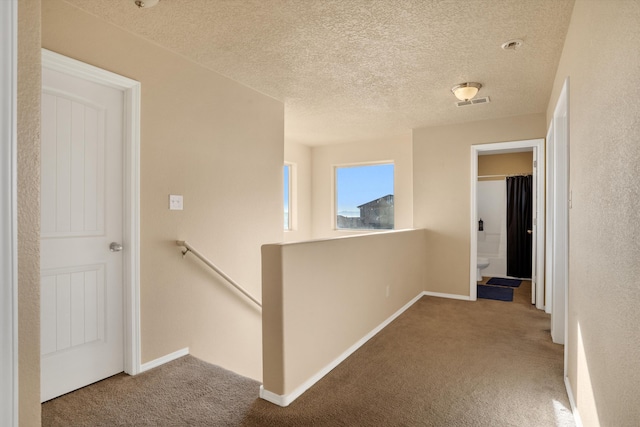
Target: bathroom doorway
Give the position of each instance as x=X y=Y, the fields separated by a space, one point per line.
x=504 y=214
x=488 y=196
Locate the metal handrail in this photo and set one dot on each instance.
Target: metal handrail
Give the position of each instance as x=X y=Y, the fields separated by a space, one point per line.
x=189 y=248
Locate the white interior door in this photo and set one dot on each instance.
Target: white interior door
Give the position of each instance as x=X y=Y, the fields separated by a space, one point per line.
x=82 y=211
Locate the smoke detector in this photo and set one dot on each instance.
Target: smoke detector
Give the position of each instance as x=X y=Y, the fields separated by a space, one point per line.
x=512 y=44
x=146 y=4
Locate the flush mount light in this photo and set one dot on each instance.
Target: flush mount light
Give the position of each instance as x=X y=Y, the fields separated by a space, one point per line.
x=146 y=3
x=466 y=91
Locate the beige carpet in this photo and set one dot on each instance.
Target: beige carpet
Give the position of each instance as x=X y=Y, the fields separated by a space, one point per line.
x=442 y=363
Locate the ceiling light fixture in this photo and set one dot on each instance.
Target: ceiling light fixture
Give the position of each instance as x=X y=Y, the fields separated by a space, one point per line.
x=466 y=91
x=146 y=3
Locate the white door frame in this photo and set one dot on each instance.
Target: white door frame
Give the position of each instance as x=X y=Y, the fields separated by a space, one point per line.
x=8 y=214
x=548 y=271
x=131 y=190
x=558 y=214
x=499 y=148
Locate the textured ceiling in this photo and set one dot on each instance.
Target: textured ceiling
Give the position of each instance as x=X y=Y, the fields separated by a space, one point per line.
x=351 y=70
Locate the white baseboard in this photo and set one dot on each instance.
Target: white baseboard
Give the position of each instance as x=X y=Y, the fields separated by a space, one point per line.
x=572 y=402
x=164 y=359
x=450 y=296
x=278 y=399
x=285 y=400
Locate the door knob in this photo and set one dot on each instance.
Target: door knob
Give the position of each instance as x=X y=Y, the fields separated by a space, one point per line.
x=530 y=231
x=115 y=247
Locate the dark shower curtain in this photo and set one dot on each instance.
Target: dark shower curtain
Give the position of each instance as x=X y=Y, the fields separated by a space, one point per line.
x=518 y=222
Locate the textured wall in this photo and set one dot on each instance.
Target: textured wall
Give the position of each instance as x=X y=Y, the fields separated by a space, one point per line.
x=220 y=145
x=324 y=160
x=505 y=164
x=29 y=211
x=442 y=191
x=603 y=338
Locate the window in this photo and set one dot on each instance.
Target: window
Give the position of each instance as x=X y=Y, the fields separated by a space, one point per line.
x=287 y=197
x=364 y=197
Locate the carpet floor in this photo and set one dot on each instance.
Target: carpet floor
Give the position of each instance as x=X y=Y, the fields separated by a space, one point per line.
x=441 y=363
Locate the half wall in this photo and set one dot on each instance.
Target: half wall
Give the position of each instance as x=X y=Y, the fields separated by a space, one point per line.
x=323 y=299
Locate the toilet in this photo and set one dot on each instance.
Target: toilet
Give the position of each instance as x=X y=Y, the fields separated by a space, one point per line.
x=482 y=264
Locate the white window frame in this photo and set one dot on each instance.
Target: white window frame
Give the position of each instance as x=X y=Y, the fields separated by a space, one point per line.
x=8 y=215
x=293 y=196
x=334 y=199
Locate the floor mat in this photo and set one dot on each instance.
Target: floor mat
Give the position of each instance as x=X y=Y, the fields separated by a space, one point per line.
x=514 y=283
x=495 y=292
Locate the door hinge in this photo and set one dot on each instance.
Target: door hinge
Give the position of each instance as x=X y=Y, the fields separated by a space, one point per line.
x=535 y=163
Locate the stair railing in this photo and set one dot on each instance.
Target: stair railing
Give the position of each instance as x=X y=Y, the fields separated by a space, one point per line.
x=189 y=248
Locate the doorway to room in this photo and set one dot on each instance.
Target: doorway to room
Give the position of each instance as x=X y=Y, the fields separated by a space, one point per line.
x=532 y=228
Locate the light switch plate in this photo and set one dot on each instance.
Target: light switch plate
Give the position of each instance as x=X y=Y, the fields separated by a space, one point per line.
x=175 y=202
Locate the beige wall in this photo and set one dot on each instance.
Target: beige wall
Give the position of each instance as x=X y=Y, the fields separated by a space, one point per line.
x=442 y=191
x=29 y=71
x=220 y=145
x=504 y=164
x=603 y=341
x=321 y=297
x=299 y=155
x=324 y=160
